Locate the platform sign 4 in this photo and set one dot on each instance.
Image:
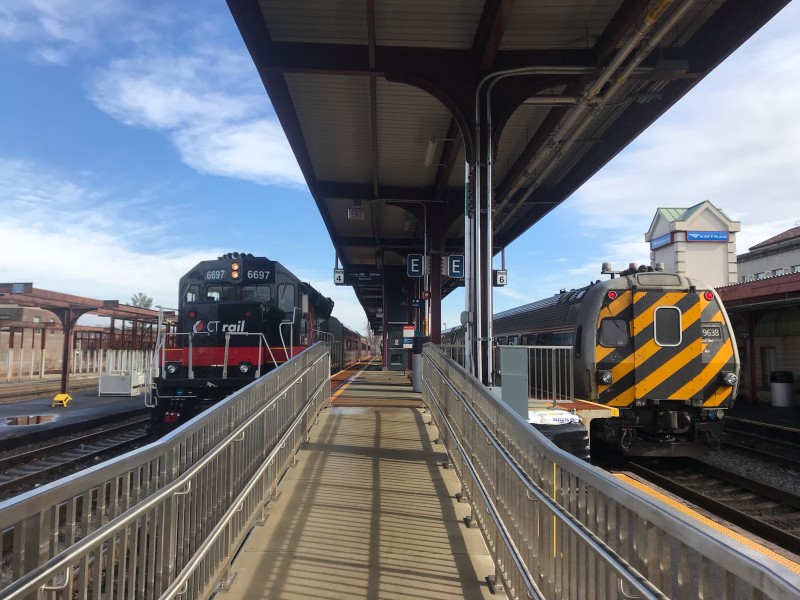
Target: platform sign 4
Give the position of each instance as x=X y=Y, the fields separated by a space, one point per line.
x=500 y=277
x=415 y=264
x=338 y=276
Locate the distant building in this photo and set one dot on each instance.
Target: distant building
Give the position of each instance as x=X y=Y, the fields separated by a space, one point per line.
x=779 y=255
x=699 y=242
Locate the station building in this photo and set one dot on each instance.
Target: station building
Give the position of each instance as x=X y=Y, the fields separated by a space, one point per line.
x=699 y=242
x=779 y=255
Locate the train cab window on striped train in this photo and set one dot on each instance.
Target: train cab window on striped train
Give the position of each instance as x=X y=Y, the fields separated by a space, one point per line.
x=614 y=333
x=667 y=326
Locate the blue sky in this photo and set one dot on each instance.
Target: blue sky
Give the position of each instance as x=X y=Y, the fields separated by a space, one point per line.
x=136 y=139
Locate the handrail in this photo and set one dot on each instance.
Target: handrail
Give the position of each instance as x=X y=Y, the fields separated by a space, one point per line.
x=261 y=337
x=291 y=334
x=248 y=428
x=622 y=568
x=514 y=461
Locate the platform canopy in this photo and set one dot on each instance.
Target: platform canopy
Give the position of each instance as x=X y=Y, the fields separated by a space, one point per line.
x=378 y=100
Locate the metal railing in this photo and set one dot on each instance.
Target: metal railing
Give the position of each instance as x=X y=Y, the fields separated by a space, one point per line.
x=261 y=338
x=550 y=372
x=290 y=352
x=165 y=521
x=557 y=527
x=455 y=352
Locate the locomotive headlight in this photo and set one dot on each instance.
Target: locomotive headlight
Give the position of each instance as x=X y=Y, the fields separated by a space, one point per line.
x=172 y=368
x=234 y=266
x=605 y=377
x=245 y=367
x=730 y=379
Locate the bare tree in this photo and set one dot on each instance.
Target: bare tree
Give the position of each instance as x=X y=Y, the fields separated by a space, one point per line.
x=141 y=300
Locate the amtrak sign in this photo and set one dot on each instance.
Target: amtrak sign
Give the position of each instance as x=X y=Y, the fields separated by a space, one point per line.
x=661 y=240
x=706 y=236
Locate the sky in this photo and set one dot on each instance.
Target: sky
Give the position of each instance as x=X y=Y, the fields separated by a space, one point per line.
x=136 y=140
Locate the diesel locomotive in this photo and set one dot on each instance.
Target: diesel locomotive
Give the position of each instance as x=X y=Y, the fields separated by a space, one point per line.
x=657 y=346
x=239 y=316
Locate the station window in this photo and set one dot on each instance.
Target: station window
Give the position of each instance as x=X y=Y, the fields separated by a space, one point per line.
x=613 y=333
x=286 y=298
x=257 y=293
x=777 y=272
x=667 y=326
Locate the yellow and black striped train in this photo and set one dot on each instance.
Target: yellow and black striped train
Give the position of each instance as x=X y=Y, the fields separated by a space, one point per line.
x=657 y=346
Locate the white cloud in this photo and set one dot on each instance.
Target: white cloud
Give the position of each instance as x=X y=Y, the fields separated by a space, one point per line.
x=59 y=28
x=219 y=130
x=253 y=150
x=74 y=242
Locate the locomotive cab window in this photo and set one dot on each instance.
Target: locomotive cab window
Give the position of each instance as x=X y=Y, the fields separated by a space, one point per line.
x=257 y=293
x=221 y=292
x=286 y=298
x=667 y=323
x=192 y=294
x=613 y=333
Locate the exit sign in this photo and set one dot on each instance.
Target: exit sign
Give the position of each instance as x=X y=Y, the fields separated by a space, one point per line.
x=356 y=213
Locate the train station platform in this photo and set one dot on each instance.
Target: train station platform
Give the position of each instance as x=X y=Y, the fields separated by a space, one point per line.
x=28 y=421
x=369 y=510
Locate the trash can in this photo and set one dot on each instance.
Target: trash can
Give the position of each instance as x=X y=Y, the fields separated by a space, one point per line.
x=416 y=361
x=781 y=387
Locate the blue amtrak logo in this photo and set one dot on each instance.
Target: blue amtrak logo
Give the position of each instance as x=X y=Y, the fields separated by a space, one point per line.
x=707 y=236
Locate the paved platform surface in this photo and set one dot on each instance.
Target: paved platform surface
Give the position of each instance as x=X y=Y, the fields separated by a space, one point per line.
x=368 y=511
x=85 y=408
x=786 y=416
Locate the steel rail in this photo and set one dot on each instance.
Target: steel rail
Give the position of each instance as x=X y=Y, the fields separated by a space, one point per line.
x=730 y=510
x=12 y=460
x=53 y=463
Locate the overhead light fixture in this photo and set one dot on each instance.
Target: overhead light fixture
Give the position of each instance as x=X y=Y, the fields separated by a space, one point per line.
x=431 y=151
x=432 y=143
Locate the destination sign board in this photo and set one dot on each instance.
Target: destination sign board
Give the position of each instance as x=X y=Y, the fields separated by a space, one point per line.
x=361 y=276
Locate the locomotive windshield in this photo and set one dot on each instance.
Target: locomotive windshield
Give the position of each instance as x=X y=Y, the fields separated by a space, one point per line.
x=613 y=333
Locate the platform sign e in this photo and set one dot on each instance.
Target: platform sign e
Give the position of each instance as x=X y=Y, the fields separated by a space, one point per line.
x=455 y=266
x=415 y=264
x=338 y=276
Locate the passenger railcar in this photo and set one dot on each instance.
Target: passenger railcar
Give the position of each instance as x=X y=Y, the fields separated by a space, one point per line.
x=239 y=316
x=657 y=346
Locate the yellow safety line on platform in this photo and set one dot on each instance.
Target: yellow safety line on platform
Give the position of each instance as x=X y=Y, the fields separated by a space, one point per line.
x=786 y=562
x=349 y=380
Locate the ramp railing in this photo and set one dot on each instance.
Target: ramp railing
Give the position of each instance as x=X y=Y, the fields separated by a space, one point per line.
x=557 y=527
x=165 y=521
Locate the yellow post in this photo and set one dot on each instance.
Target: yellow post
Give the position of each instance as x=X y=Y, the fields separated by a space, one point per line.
x=62 y=399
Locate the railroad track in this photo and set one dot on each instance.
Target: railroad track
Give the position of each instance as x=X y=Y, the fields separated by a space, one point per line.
x=21 y=471
x=778 y=443
x=767 y=512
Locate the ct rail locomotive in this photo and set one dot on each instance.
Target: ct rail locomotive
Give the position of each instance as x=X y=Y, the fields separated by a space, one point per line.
x=657 y=346
x=239 y=316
